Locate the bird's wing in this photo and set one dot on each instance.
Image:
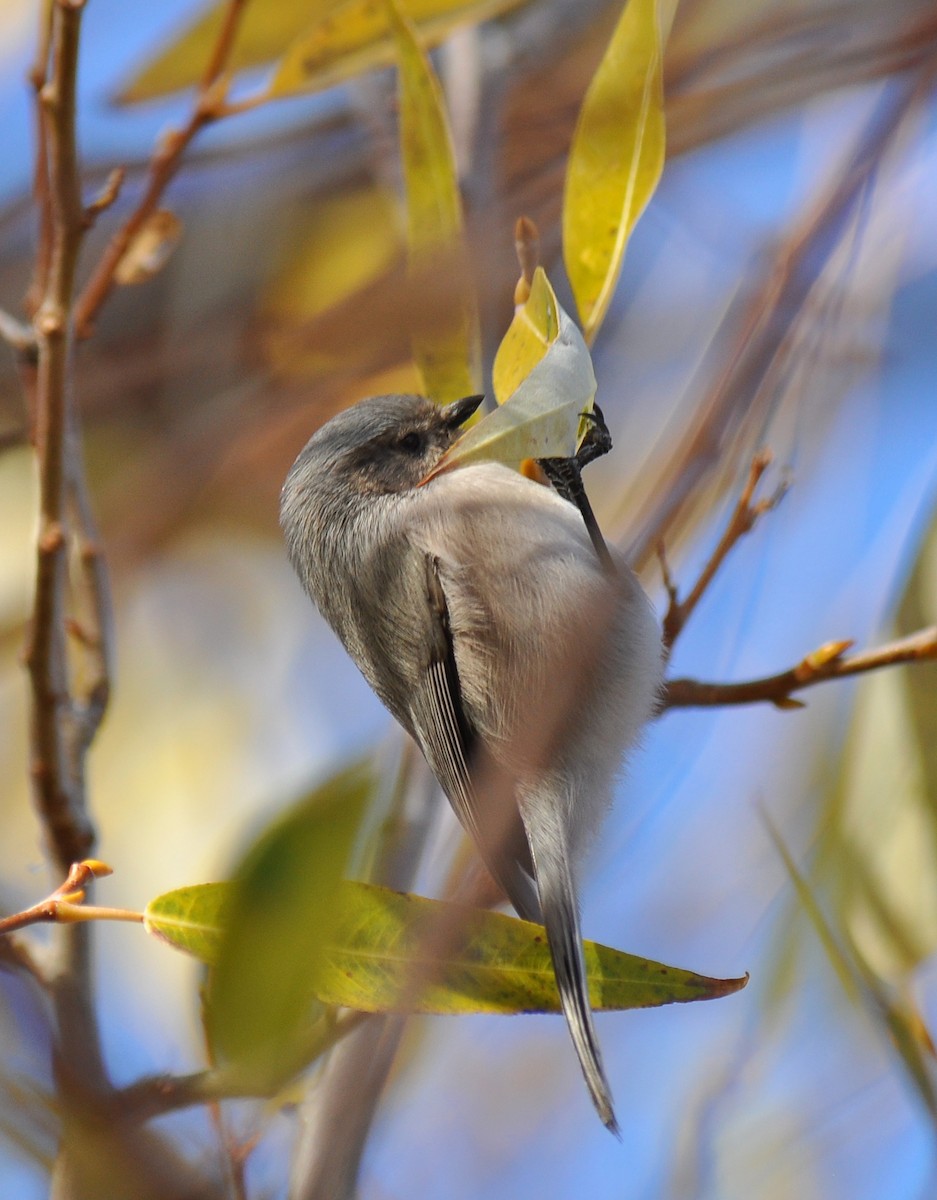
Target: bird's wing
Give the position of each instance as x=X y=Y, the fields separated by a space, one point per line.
x=450 y=745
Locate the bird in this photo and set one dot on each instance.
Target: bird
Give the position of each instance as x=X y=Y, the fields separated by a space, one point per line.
x=455 y=595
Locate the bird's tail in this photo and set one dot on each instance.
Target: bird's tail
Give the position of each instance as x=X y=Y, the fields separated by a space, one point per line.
x=548 y=844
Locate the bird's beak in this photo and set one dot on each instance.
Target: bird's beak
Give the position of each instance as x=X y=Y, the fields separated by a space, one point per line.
x=456 y=414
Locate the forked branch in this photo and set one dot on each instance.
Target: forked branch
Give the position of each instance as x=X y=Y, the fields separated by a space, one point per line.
x=828 y=662
x=743 y=519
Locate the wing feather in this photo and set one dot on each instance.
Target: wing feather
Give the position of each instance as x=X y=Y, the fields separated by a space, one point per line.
x=451 y=746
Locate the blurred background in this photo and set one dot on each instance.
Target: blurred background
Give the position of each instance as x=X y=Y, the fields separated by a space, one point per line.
x=781 y=291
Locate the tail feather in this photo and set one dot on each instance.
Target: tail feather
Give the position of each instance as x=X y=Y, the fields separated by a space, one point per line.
x=561 y=920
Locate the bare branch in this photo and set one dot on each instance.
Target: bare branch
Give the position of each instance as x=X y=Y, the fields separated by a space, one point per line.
x=743 y=519
x=828 y=662
x=38 y=74
x=208 y=107
x=93 y=600
x=59 y=802
x=65 y=906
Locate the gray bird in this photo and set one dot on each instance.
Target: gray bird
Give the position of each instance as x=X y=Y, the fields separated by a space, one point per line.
x=455 y=597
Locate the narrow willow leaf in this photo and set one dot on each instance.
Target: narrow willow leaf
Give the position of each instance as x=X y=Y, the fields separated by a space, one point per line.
x=534 y=328
x=264 y=33
x=543 y=416
x=616 y=159
x=447 y=355
x=379 y=957
x=358 y=38
x=279 y=918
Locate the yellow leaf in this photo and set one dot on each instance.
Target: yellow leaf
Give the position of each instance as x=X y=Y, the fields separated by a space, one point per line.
x=616 y=159
x=346 y=244
x=264 y=33
x=536 y=325
x=381 y=954
x=357 y=37
x=447 y=354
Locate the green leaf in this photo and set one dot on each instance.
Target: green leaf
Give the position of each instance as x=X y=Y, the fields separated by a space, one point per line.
x=448 y=354
x=191 y=918
x=616 y=159
x=543 y=415
x=277 y=922
x=358 y=38
x=265 y=31
x=391 y=952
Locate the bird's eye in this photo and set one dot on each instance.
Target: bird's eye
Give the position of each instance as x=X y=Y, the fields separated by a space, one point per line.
x=411 y=442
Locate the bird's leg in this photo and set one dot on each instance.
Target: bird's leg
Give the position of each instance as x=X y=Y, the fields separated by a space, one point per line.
x=565 y=474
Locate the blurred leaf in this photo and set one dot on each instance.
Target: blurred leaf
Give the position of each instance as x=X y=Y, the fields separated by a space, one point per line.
x=379 y=958
x=149 y=251
x=615 y=161
x=911 y=1038
x=919 y=609
x=264 y=33
x=345 y=244
x=281 y=915
x=534 y=328
x=839 y=960
x=543 y=416
x=884 y=856
x=447 y=356
x=357 y=38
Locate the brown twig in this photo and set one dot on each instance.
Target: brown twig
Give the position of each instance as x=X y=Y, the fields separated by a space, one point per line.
x=106 y=197
x=37 y=76
x=159 y=1094
x=65 y=906
x=93 y=598
x=742 y=521
x=829 y=662
x=164 y=164
x=58 y=800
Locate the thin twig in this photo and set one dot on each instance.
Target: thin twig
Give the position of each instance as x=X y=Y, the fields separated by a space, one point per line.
x=106 y=197
x=743 y=519
x=829 y=662
x=165 y=163
x=37 y=76
x=65 y=906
